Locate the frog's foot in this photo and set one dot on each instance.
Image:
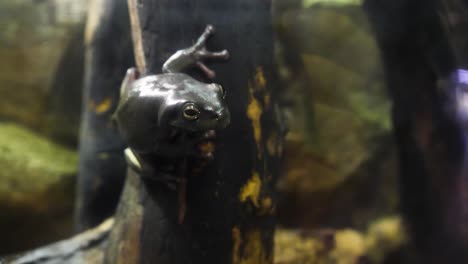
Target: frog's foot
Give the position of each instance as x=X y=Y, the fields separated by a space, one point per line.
x=201 y=53
x=204 y=54
x=195 y=55
x=209 y=31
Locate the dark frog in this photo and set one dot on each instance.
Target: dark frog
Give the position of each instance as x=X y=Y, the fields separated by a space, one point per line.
x=157 y=110
x=166 y=115
x=168 y=118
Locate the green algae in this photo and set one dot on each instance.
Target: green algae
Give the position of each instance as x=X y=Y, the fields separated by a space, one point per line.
x=31 y=164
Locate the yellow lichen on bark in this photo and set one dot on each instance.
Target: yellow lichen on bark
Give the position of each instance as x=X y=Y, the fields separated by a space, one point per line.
x=253 y=251
x=255 y=107
x=254 y=112
x=101 y=107
x=251 y=190
x=267 y=100
x=266 y=206
x=260 y=80
x=267 y=203
x=260 y=85
x=272 y=144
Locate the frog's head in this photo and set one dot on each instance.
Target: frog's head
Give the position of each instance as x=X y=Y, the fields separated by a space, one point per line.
x=196 y=107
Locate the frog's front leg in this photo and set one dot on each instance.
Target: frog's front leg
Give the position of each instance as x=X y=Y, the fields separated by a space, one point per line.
x=194 y=56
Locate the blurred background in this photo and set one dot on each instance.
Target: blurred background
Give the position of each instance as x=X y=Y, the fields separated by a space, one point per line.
x=41 y=73
x=341 y=172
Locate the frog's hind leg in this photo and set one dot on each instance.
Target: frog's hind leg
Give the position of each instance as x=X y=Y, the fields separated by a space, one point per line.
x=131 y=75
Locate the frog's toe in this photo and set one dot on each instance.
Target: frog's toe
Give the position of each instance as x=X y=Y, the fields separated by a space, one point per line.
x=207 y=71
x=210 y=30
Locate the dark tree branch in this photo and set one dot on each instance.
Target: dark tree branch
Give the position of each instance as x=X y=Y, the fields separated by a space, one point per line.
x=230 y=200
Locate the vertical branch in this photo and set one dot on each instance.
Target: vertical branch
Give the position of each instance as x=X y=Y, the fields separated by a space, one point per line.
x=102 y=166
x=230 y=200
x=137 y=37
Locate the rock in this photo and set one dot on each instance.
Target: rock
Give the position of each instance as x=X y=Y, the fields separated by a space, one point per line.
x=36 y=189
x=383 y=236
x=34 y=61
x=342 y=246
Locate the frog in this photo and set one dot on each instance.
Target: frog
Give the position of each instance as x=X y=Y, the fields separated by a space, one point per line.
x=164 y=118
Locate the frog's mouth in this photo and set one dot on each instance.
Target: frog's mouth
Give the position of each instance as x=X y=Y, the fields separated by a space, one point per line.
x=202 y=143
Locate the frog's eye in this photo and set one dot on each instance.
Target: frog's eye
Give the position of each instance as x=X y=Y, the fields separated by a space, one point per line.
x=191 y=112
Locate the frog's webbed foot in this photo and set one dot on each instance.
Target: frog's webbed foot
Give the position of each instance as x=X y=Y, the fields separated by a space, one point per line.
x=194 y=55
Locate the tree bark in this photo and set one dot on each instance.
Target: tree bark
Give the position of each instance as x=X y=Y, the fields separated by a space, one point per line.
x=102 y=165
x=231 y=201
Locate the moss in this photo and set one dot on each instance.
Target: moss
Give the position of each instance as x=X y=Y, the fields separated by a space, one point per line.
x=349 y=247
x=290 y=247
x=254 y=113
x=309 y=3
x=251 y=190
x=344 y=246
x=384 y=235
x=31 y=164
x=36 y=189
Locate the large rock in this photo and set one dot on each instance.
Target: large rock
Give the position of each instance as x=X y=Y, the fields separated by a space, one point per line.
x=36 y=189
x=41 y=66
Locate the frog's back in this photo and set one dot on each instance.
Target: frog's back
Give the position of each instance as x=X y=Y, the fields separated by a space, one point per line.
x=140 y=104
x=158 y=85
